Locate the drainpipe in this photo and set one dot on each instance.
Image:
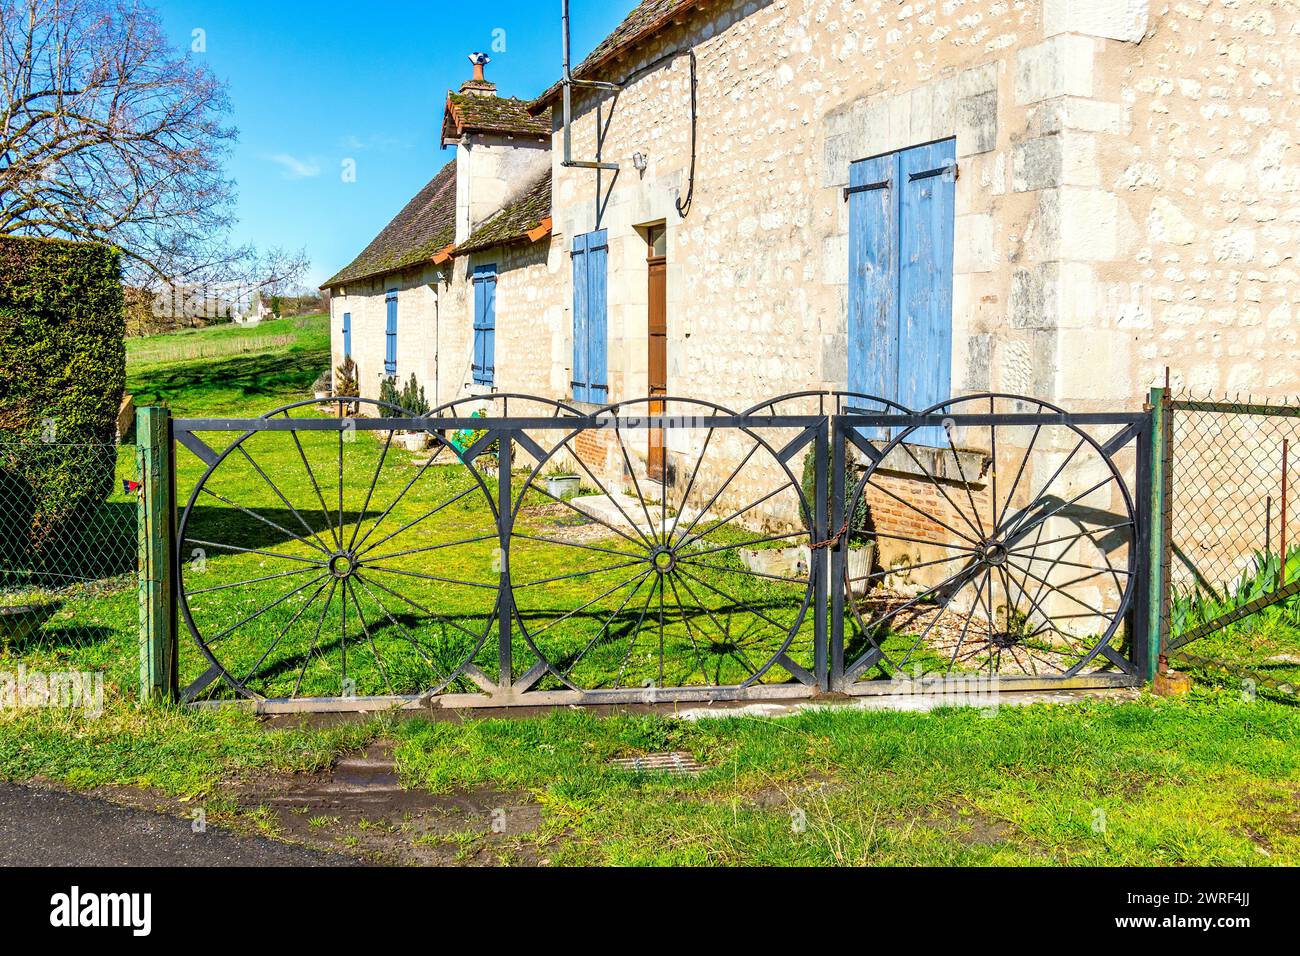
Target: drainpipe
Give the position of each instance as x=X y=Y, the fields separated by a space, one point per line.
x=567 y=82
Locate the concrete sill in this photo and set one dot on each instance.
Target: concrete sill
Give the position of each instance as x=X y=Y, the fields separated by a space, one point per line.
x=938 y=463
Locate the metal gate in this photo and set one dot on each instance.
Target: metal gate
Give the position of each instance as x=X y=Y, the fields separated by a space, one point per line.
x=525 y=556
x=1001 y=541
x=513 y=550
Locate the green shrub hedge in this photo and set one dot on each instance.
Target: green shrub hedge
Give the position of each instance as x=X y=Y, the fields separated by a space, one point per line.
x=62 y=374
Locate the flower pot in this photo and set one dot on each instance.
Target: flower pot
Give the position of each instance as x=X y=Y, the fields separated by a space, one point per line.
x=563 y=487
x=21 y=621
x=858 y=566
x=412 y=441
x=322 y=394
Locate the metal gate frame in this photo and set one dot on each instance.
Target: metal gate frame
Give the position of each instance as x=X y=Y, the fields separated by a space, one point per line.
x=1135 y=429
x=507 y=433
x=829 y=432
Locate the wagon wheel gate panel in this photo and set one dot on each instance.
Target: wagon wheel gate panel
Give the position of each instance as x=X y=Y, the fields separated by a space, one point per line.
x=660 y=550
x=991 y=538
x=524 y=554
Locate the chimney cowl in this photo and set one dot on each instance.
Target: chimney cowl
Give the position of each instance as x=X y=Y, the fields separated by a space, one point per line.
x=479 y=84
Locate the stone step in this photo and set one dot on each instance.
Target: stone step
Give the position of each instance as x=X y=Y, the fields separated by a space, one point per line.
x=627 y=513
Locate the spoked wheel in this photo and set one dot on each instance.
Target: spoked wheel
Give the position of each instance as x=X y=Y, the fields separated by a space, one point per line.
x=655 y=547
x=1005 y=547
x=320 y=559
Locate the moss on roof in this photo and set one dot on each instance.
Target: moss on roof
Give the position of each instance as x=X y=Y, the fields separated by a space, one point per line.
x=469 y=113
x=426 y=225
x=649 y=17
x=515 y=221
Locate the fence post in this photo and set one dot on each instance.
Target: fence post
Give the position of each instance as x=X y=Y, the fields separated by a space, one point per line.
x=1158 y=599
x=155 y=530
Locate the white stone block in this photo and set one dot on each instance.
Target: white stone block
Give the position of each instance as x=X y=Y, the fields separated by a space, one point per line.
x=1060 y=66
x=1113 y=19
x=973 y=249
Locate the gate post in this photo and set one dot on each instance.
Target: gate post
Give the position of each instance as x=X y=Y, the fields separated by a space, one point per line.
x=820 y=561
x=837 y=556
x=1158 y=598
x=506 y=599
x=155 y=530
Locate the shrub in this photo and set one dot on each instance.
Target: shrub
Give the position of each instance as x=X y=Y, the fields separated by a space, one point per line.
x=345 y=378
x=389 y=393
x=62 y=375
x=860 y=527
x=412 y=398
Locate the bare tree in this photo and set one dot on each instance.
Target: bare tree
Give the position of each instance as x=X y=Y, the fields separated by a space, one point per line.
x=108 y=134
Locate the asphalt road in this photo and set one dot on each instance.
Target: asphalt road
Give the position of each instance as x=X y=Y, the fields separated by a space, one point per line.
x=48 y=828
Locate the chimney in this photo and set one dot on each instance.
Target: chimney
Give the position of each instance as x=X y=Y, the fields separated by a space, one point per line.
x=479 y=85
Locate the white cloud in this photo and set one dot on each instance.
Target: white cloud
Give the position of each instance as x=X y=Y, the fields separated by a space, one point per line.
x=295 y=168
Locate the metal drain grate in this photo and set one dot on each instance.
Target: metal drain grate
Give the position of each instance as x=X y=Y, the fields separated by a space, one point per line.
x=676 y=762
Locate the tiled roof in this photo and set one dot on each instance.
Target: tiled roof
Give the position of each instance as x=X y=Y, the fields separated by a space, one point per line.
x=519 y=220
x=647 y=19
x=424 y=227
x=469 y=113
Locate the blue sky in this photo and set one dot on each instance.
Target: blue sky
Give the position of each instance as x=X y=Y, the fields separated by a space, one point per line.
x=316 y=83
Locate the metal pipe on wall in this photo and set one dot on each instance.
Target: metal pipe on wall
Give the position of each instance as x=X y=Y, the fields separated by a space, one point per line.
x=567 y=82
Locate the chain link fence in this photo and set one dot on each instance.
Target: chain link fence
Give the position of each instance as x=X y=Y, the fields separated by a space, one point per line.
x=67 y=519
x=1233 y=555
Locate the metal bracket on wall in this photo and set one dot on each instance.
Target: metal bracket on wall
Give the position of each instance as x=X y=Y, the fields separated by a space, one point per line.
x=866 y=187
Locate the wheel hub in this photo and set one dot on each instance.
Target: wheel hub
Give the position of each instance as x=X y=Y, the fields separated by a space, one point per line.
x=995 y=554
x=663 y=560
x=343 y=565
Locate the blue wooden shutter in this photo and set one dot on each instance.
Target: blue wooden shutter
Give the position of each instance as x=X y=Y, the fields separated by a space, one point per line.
x=485 y=324
x=581 y=381
x=873 y=277
x=927 y=187
x=900 y=278
x=598 y=316
x=390 y=335
x=590 y=317
x=347 y=334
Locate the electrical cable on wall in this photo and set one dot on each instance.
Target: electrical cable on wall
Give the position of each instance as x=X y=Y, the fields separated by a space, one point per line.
x=683 y=208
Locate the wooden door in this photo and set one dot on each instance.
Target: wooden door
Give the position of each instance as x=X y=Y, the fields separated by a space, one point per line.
x=657 y=339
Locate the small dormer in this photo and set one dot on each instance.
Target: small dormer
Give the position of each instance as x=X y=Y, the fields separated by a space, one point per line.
x=500 y=147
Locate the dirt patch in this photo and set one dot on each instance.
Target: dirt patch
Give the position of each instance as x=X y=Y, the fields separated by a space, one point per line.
x=560 y=522
x=360 y=807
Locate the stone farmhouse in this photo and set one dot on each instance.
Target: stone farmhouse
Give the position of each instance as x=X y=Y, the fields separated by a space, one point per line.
x=916 y=200
x=913 y=199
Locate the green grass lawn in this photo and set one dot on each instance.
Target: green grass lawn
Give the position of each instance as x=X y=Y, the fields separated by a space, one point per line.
x=228 y=369
x=1210 y=780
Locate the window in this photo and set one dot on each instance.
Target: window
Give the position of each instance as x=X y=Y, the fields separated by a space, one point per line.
x=485 y=324
x=390 y=333
x=347 y=334
x=590 y=319
x=900 y=277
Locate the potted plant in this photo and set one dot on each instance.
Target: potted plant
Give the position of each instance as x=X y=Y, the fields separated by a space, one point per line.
x=24 y=613
x=466 y=438
x=563 y=485
x=345 y=382
x=413 y=400
x=323 y=387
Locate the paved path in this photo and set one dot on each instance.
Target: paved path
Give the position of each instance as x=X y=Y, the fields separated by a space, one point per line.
x=49 y=828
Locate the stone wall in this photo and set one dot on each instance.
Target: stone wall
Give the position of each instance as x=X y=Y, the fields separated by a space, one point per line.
x=1121 y=205
x=1207 y=173
x=435 y=321
x=418 y=307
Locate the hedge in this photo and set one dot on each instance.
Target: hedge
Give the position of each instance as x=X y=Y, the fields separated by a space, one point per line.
x=62 y=375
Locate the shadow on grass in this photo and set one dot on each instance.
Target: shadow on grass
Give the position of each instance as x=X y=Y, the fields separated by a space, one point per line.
x=223 y=524
x=251 y=375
